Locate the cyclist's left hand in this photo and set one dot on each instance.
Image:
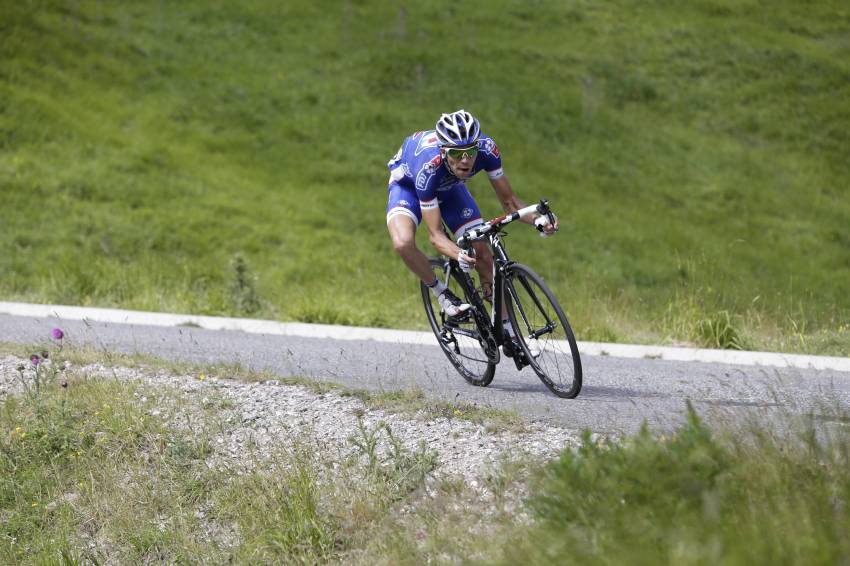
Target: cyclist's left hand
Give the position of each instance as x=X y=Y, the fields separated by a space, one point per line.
x=545 y=227
x=466 y=260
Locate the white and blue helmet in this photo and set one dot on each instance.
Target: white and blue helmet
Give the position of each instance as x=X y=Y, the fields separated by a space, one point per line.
x=460 y=128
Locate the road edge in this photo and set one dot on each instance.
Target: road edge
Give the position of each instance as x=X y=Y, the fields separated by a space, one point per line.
x=305 y=330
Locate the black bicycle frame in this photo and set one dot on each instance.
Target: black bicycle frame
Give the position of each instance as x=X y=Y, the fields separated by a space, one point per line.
x=501 y=263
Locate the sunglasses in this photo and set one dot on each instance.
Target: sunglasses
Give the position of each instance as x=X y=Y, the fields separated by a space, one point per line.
x=461 y=152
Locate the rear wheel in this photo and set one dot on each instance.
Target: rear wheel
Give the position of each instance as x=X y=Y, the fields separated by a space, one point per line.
x=544 y=333
x=467 y=342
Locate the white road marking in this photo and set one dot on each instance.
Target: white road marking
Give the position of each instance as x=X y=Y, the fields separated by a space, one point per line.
x=64 y=312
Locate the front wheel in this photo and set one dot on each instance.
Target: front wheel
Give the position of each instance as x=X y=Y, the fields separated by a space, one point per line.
x=543 y=331
x=467 y=343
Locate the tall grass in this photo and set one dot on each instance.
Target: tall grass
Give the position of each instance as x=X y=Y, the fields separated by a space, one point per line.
x=696 y=497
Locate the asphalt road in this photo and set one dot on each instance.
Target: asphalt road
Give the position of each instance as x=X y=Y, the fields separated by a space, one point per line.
x=619 y=394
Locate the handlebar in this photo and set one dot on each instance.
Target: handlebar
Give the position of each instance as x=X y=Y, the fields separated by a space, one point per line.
x=496 y=224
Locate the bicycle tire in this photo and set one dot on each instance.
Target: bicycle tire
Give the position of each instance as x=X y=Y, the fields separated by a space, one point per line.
x=543 y=330
x=471 y=350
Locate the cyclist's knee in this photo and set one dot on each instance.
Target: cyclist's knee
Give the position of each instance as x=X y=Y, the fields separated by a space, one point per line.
x=403 y=243
x=403 y=235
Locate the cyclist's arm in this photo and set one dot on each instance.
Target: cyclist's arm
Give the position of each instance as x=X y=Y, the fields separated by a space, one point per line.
x=510 y=202
x=438 y=238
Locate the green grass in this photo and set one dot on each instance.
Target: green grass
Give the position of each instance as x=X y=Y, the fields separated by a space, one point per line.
x=87 y=466
x=91 y=474
x=218 y=158
x=696 y=497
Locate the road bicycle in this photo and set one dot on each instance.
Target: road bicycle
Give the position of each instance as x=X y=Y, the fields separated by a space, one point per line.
x=545 y=340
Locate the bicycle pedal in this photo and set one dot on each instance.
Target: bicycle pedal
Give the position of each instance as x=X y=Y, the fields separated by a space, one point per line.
x=510 y=348
x=510 y=351
x=446 y=337
x=520 y=361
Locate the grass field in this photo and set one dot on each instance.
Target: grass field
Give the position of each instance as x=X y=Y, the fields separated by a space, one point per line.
x=222 y=158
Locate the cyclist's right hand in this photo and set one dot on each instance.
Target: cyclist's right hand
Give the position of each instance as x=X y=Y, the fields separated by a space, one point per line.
x=466 y=260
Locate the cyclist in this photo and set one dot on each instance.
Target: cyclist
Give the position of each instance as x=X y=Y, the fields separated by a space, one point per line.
x=427 y=177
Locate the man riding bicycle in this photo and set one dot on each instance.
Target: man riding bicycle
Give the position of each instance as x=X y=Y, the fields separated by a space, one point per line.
x=427 y=177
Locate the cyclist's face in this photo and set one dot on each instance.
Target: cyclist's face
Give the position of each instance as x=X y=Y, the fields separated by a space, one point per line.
x=462 y=168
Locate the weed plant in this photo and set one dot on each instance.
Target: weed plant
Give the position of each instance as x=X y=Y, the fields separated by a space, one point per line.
x=43 y=370
x=696 y=155
x=397 y=467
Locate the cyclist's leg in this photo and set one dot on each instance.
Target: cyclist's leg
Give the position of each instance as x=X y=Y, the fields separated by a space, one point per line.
x=484 y=266
x=461 y=213
x=403 y=217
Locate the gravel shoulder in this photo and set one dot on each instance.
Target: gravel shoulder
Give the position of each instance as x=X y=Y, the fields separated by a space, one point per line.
x=254 y=418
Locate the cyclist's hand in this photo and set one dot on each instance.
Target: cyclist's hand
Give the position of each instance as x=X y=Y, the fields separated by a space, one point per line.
x=545 y=227
x=466 y=259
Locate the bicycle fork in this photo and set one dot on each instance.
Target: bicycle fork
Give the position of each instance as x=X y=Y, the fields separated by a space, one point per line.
x=501 y=264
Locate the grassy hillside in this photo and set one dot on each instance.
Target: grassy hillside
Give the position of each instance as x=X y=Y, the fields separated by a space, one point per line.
x=230 y=159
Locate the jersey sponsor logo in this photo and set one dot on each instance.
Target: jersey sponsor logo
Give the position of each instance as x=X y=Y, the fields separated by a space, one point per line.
x=491 y=148
x=428 y=170
x=424 y=176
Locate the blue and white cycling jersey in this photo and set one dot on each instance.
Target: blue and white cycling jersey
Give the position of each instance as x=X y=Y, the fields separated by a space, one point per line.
x=420 y=180
x=418 y=165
